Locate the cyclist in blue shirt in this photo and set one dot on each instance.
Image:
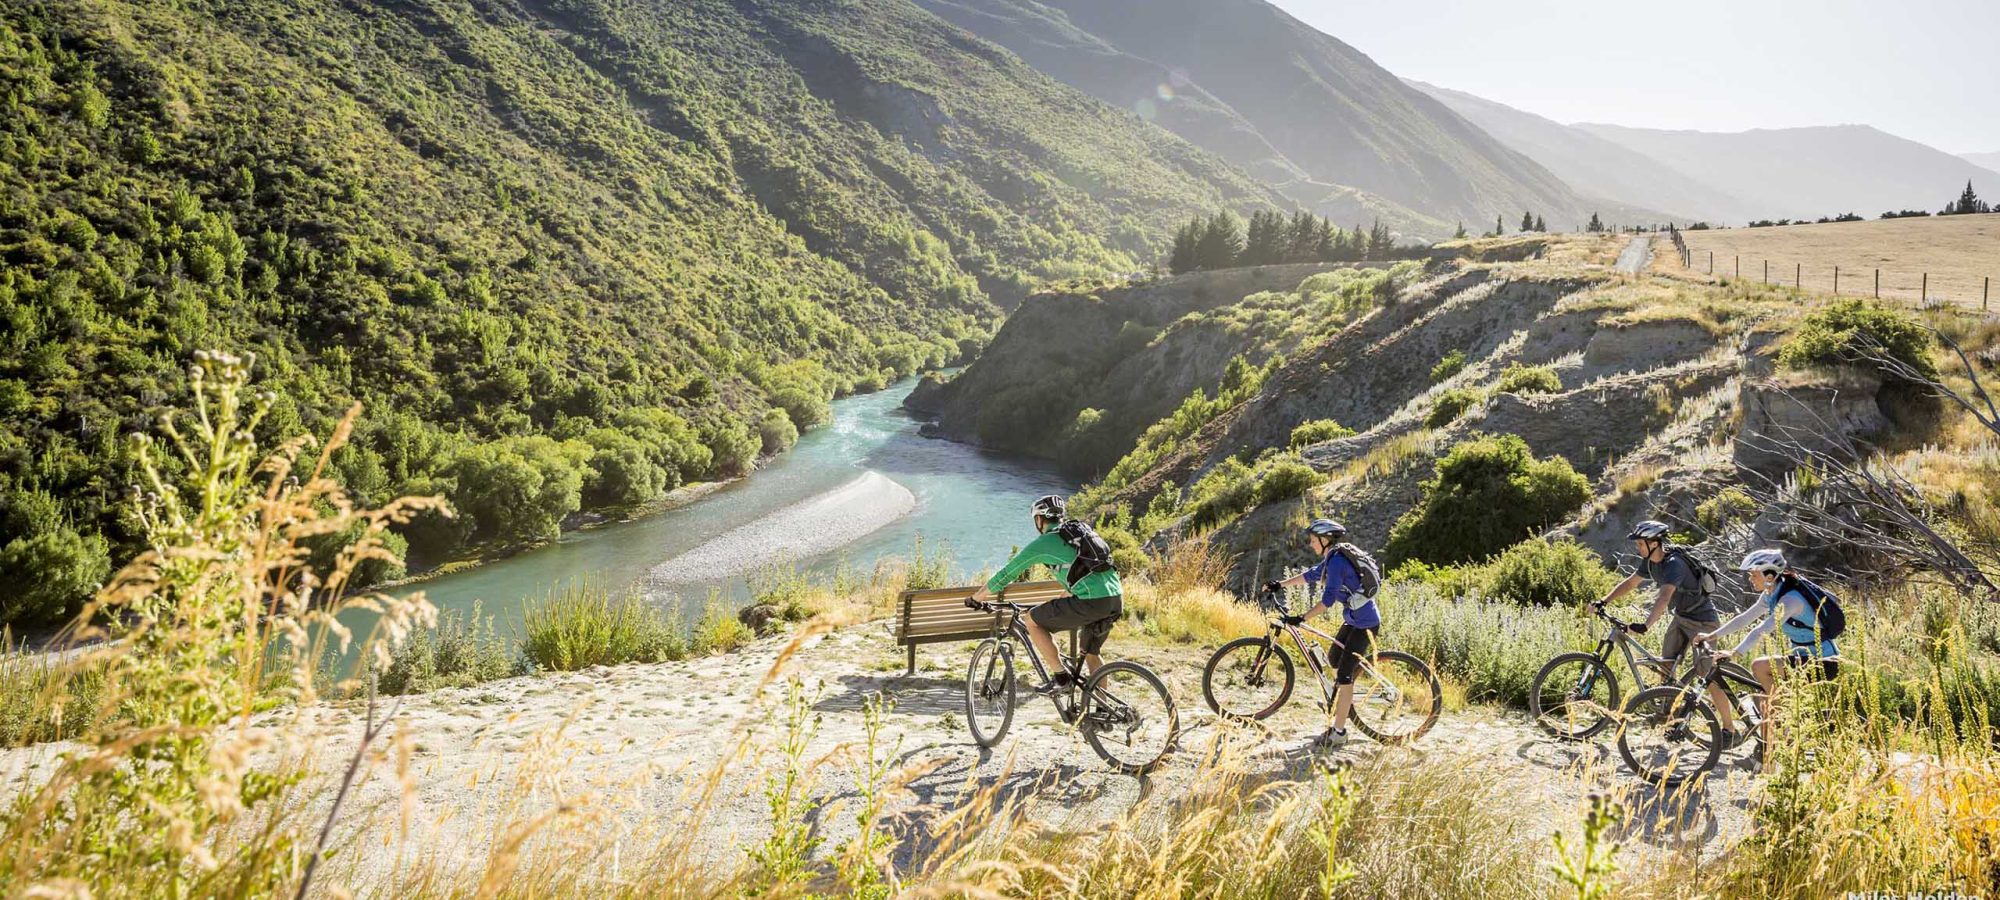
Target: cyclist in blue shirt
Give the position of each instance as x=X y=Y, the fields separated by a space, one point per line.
x=1785 y=606
x=1338 y=584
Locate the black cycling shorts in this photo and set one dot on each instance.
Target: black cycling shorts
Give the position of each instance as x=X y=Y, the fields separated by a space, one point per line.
x=1829 y=669
x=1354 y=644
x=1093 y=617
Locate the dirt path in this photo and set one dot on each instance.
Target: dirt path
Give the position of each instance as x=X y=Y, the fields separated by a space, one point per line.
x=634 y=747
x=1637 y=253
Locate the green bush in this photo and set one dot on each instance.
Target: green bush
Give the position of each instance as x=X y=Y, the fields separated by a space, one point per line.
x=1492 y=647
x=1849 y=331
x=1450 y=364
x=519 y=489
x=1284 y=480
x=461 y=651
x=1546 y=573
x=1318 y=430
x=1715 y=513
x=1487 y=493
x=776 y=431
x=48 y=569
x=1225 y=491
x=1520 y=379
x=581 y=626
x=1449 y=405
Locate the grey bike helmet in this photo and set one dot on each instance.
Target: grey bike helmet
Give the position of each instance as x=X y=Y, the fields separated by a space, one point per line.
x=1051 y=507
x=1327 y=528
x=1649 y=530
x=1768 y=561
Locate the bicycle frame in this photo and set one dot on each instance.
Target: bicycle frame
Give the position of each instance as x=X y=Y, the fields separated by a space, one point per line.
x=1328 y=689
x=1073 y=663
x=1618 y=634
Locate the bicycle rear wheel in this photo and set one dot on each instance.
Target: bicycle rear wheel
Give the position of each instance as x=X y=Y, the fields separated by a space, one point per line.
x=1669 y=736
x=1249 y=678
x=989 y=692
x=1128 y=717
x=1396 y=698
x=1574 y=697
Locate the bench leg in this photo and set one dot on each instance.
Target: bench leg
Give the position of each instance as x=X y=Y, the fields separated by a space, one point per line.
x=913 y=661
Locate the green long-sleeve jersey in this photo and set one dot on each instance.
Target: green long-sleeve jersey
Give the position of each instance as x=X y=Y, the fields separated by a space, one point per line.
x=1051 y=550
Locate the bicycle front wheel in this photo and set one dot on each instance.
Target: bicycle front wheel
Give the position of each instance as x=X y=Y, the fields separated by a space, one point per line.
x=1574 y=697
x=1396 y=698
x=1249 y=678
x=989 y=692
x=1669 y=736
x=1128 y=717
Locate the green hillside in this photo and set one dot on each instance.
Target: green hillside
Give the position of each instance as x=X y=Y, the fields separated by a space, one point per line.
x=570 y=254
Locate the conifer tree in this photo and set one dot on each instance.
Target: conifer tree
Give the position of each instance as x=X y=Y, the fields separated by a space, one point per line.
x=1541 y=224
x=1460 y=233
x=1187 y=247
x=1596 y=225
x=1221 y=243
x=1527 y=221
x=1968 y=203
x=1499 y=225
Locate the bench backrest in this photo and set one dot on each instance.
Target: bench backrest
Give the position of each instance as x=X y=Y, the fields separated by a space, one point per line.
x=940 y=614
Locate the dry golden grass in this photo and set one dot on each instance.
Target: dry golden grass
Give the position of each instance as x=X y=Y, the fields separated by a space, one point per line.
x=1959 y=252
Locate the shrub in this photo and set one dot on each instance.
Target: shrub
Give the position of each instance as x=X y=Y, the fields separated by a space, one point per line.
x=1218 y=496
x=1488 y=492
x=1546 y=573
x=1715 y=513
x=719 y=631
x=1284 y=480
x=519 y=489
x=1851 y=331
x=776 y=431
x=1451 y=364
x=581 y=626
x=1520 y=379
x=461 y=651
x=1191 y=564
x=1316 y=431
x=1449 y=405
x=46 y=575
x=1493 y=648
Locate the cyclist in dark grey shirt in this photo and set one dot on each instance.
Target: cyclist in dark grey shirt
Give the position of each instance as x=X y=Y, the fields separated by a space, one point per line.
x=1680 y=589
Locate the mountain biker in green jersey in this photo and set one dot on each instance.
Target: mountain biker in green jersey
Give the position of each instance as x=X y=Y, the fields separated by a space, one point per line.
x=1785 y=603
x=1339 y=583
x=1680 y=588
x=1095 y=602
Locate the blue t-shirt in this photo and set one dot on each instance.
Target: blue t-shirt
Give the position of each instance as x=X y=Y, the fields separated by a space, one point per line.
x=1796 y=605
x=1338 y=581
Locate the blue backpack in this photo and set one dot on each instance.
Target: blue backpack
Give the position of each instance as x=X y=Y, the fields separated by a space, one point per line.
x=1830 y=619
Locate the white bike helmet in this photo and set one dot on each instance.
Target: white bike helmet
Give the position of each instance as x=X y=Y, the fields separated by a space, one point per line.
x=1768 y=561
x=1650 y=530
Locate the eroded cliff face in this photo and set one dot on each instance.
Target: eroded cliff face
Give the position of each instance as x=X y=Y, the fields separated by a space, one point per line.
x=1661 y=395
x=1131 y=353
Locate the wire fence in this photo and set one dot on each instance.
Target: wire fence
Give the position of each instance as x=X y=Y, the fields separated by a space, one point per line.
x=1931 y=288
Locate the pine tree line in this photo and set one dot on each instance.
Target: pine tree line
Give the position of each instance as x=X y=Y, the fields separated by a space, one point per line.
x=1220 y=241
x=1967 y=204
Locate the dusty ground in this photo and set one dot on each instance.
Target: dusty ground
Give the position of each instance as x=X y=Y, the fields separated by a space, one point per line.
x=628 y=752
x=1959 y=252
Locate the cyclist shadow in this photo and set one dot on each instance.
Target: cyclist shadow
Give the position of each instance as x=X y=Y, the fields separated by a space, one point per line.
x=913 y=694
x=1048 y=792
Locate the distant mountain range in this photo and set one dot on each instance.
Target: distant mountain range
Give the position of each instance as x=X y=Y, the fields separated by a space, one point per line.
x=1736 y=177
x=1990 y=161
x=1304 y=112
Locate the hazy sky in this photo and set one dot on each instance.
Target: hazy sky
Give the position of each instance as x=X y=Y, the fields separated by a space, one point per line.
x=1928 y=70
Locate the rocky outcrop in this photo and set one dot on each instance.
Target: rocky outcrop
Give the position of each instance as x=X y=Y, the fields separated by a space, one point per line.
x=1110 y=350
x=1786 y=419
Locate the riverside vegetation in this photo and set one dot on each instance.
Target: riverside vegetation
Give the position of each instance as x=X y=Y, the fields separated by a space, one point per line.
x=571 y=257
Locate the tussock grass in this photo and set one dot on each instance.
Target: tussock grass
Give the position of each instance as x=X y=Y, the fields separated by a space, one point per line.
x=582 y=626
x=1204 y=616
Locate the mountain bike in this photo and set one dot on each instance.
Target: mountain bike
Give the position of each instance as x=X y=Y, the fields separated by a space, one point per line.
x=1123 y=709
x=1576 y=695
x=1396 y=696
x=1671 y=733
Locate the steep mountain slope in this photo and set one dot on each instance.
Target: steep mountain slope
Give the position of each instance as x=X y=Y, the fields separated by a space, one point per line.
x=1323 y=108
x=1594 y=165
x=1807 y=172
x=1987 y=161
x=587 y=245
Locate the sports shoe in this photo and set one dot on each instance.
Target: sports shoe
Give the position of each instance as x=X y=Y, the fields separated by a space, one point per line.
x=1333 y=737
x=1061 y=681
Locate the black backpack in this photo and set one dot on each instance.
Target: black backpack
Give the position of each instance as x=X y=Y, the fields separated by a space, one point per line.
x=1703 y=572
x=1092 y=553
x=1830 y=619
x=1365 y=567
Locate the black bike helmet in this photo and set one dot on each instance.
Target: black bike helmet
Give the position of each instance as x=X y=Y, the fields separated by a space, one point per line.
x=1051 y=507
x=1327 y=528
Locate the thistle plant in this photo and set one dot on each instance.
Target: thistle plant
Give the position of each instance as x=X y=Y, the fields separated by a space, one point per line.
x=182 y=788
x=1587 y=868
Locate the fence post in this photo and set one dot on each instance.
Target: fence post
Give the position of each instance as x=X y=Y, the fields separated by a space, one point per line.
x=1986 y=293
x=1711 y=262
x=1878 y=284
x=1836 y=281
x=1798 y=276
x=1924 y=296
x=1739 y=268
x=1767 y=271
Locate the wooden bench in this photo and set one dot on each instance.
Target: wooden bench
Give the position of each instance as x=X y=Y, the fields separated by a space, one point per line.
x=939 y=615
